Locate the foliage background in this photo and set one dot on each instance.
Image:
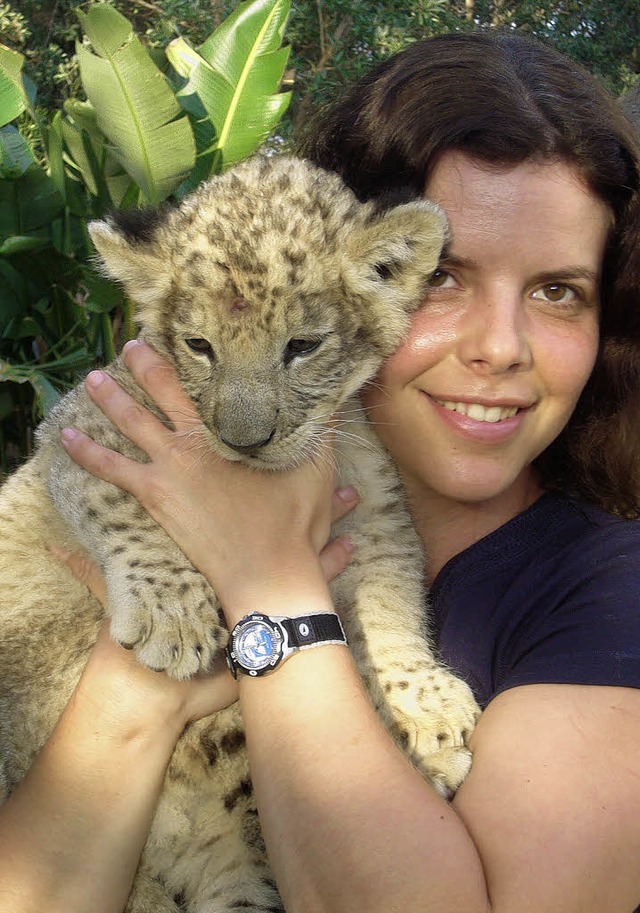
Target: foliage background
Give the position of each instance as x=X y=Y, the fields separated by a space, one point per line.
x=332 y=42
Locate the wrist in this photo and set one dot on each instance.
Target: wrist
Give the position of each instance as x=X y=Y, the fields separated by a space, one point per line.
x=126 y=700
x=289 y=592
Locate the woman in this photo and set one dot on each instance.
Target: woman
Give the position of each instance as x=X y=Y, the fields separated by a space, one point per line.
x=510 y=411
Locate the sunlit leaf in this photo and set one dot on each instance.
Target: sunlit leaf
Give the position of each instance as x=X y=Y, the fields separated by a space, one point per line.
x=13 y=96
x=135 y=108
x=234 y=78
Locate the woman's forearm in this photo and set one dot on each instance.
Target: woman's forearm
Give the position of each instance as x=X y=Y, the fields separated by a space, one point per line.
x=72 y=832
x=328 y=780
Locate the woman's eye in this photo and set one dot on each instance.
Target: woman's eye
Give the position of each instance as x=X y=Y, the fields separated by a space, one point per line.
x=300 y=347
x=199 y=345
x=440 y=278
x=556 y=293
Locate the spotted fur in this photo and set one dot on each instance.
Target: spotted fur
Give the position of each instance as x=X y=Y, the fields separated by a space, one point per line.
x=275 y=295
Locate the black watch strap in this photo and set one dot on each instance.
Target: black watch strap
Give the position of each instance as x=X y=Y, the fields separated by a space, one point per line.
x=308 y=630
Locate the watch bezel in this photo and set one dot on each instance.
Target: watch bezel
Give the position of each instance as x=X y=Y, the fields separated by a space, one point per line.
x=236 y=657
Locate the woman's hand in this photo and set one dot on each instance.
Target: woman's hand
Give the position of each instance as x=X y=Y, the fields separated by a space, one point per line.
x=244 y=530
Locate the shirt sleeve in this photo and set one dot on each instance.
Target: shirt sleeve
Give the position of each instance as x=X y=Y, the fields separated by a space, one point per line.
x=586 y=627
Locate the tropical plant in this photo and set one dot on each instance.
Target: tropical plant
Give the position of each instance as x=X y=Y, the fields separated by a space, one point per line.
x=153 y=125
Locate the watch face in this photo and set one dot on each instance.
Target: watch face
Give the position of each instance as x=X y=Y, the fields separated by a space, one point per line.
x=257 y=646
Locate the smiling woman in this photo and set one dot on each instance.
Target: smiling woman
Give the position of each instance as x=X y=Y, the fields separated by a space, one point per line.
x=502 y=348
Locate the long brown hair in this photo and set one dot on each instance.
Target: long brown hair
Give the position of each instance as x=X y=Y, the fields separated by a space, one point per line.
x=505 y=99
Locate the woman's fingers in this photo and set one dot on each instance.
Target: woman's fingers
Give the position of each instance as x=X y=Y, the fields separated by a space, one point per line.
x=335 y=557
x=104 y=463
x=157 y=377
x=136 y=422
x=344 y=500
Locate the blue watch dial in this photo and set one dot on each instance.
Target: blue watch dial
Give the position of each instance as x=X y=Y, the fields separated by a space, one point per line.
x=257 y=646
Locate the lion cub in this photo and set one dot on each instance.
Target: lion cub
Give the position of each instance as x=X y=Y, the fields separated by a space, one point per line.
x=276 y=295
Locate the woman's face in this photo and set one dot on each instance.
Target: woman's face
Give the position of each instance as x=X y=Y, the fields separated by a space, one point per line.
x=501 y=349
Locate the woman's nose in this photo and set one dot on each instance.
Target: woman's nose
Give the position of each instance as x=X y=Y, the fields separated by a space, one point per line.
x=493 y=336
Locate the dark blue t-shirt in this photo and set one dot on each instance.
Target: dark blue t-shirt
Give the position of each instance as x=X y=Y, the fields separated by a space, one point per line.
x=552 y=596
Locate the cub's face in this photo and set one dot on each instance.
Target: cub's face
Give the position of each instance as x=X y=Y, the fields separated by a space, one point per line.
x=276 y=295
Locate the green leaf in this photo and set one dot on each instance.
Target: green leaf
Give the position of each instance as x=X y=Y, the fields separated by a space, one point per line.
x=20 y=243
x=235 y=77
x=87 y=149
x=104 y=295
x=13 y=96
x=46 y=394
x=15 y=155
x=55 y=155
x=12 y=294
x=28 y=203
x=135 y=108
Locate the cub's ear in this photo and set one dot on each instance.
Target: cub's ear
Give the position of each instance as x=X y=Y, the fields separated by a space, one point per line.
x=394 y=252
x=128 y=256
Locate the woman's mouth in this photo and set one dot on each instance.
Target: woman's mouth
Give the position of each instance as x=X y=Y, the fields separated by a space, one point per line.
x=478 y=412
x=479 y=422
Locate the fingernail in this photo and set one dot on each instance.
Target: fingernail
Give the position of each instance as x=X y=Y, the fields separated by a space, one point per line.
x=348 y=494
x=94 y=379
x=347 y=543
x=131 y=344
x=68 y=435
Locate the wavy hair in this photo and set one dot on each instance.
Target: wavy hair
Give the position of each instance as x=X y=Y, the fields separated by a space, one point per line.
x=504 y=99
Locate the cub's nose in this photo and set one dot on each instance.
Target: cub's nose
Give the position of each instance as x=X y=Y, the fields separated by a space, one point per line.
x=247 y=448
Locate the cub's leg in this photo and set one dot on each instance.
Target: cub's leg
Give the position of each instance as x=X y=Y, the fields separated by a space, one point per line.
x=159 y=604
x=429 y=711
x=148 y=895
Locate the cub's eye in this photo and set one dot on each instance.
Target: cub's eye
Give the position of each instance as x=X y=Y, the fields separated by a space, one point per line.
x=386 y=271
x=199 y=345
x=300 y=347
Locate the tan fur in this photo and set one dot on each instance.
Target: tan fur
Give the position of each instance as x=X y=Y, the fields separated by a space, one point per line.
x=274 y=251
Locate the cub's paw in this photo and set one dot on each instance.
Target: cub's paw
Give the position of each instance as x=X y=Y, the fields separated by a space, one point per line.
x=432 y=715
x=170 y=616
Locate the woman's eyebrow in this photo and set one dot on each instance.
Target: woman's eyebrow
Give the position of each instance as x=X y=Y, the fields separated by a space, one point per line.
x=453 y=260
x=567 y=273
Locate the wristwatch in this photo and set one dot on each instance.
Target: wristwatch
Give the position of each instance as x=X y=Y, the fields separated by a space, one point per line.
x=259 y=643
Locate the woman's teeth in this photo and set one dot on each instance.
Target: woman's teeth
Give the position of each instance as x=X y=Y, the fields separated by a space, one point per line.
x=478 y=412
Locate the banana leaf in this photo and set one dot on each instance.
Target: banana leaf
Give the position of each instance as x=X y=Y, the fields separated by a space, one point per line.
x=135 y=108
x=89 y=157
x=15 y=155
x=13 y=94
x=28 y=203
x=234 y=78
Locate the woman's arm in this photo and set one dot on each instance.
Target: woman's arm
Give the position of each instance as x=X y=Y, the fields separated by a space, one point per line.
x=349 y=825
x=72 y=832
